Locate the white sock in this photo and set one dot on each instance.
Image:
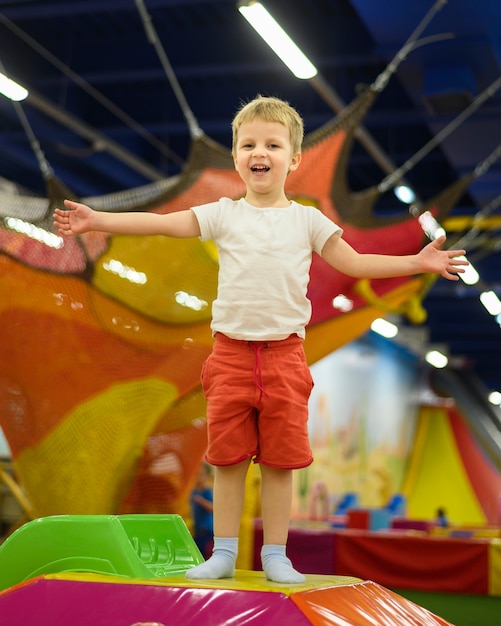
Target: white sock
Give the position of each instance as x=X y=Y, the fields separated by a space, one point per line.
x=277 y=567
x=222 y=562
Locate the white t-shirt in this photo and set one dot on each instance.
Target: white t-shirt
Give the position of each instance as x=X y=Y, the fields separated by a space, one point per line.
x=264 y=266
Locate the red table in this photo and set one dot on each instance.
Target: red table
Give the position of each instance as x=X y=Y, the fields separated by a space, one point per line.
x=406 y=560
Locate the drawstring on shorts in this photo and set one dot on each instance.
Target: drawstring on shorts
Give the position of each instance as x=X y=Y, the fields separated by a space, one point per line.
x=257 y=373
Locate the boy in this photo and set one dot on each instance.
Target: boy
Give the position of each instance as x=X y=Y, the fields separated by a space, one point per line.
x=256 y=380
x=201 y=510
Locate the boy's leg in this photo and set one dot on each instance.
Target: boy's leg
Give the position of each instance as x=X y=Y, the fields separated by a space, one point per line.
x=276 y=502
x=229 y=493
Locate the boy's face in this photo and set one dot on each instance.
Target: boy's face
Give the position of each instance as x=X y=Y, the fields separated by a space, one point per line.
x=263 y=156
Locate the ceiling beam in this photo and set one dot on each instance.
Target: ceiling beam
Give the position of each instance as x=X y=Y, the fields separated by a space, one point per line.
x=93 y=136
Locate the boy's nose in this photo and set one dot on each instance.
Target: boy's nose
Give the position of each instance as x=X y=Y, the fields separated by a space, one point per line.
x=259 y=151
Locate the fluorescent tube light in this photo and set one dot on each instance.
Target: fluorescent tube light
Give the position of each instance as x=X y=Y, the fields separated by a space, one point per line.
x=35 y=232
x=470 y=276
x=491 y=302
x=11 y=89
x=342 y=303
x=278 y=40
x=430 y=225
x=405 y=194
x=384 y=328
x=495 y=397
x=436 y=358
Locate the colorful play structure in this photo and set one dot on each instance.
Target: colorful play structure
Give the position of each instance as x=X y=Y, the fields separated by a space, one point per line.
x=128 y=569
x=103 y=339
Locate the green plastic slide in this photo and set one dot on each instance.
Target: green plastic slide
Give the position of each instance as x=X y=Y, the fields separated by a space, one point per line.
x=133 y=546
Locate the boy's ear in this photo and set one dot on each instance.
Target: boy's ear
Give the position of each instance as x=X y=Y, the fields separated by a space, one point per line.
x=295 y=161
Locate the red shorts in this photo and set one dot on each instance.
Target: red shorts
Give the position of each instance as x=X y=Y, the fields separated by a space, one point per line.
x=257 y=402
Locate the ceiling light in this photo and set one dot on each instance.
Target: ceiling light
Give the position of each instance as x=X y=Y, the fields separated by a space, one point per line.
x=405 y=194
x=430 y=225
x=436 y=358
x=278 y=40
x=470 y=276
x=129 y=273
x=34 y=232
x=385 y=328
x=190 y=301
x=495 y=397
x=491 y=302
x=342 y=303
x=11 y=89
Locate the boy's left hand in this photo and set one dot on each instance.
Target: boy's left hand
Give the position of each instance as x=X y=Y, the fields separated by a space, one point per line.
x=443 y=262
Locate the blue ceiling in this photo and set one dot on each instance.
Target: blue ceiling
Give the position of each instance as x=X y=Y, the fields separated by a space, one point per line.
x=107 y=117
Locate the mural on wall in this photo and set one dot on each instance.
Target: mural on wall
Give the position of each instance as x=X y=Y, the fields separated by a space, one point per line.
x=363 y=412
x=4 y=446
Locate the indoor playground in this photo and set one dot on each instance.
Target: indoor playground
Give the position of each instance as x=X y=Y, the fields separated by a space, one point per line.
x=103 y=427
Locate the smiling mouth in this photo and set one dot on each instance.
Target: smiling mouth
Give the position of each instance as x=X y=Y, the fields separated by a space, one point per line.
x=260 y=168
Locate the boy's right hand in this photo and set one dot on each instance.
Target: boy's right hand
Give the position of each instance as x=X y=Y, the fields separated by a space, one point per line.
x=77 y=219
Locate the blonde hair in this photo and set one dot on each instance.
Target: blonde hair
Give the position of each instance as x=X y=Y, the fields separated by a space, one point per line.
x=271 y=109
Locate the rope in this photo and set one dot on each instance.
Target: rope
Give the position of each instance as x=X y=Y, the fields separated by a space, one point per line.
x=484 y=165
x=471 y=234
x=43 y=164
x=395 y=176
x=412 y=42
x=194 y=128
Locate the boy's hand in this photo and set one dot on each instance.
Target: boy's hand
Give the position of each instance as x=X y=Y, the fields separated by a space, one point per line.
x=75 y=221
x=443 y=262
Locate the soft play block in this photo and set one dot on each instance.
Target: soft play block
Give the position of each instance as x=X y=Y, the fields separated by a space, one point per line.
x=359 y=518
x=379 y=519
x=246 y=599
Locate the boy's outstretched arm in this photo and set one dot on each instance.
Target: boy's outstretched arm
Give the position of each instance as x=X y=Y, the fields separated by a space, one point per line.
x=431 y=259
x=78 y=218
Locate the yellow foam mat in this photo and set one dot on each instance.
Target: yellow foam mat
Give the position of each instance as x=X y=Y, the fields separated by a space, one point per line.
x=244 y=580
